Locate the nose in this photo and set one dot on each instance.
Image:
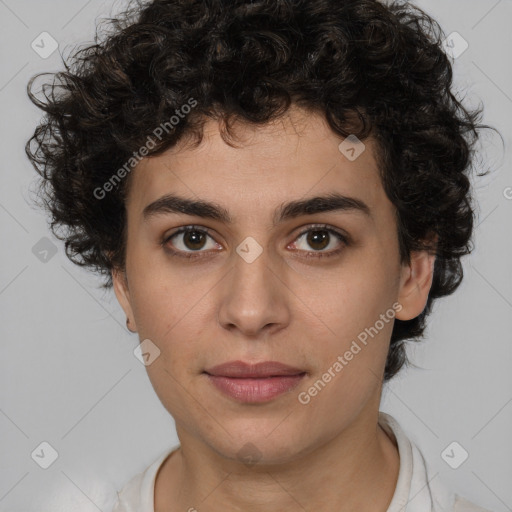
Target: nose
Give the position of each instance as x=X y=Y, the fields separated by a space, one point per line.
x=255 y=299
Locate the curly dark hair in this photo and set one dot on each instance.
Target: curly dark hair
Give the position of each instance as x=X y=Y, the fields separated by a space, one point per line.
x=370 y=69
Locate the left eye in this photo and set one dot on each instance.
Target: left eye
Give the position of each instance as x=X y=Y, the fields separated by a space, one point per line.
x=193 y=240
x=319 y=238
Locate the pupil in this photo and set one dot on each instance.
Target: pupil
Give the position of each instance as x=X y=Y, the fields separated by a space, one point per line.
x=196 y=239
x=314 y=238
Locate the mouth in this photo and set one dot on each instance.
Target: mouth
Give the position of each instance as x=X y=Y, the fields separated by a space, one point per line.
x=254 y=383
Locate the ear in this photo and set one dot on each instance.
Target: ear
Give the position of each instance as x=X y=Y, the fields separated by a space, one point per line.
x=415 y=284
x=120 y=284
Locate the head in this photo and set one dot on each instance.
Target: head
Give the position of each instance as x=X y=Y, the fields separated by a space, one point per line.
x=256 y=122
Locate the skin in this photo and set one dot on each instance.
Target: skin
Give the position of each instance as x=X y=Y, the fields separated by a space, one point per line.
x=283 y=306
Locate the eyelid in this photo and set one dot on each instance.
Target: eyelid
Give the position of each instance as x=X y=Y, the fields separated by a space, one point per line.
x=186 y=229
x=326 y=227
x=341 y=235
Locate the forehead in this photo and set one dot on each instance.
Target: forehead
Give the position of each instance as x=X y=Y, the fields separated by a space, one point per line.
x=293 y=157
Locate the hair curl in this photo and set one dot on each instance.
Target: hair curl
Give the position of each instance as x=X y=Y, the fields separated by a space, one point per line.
x=369 y=68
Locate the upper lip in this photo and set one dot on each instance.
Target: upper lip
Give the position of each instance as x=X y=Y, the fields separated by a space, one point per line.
x=242 y=369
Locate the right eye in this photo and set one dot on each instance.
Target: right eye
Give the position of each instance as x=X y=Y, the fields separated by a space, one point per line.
x=191 y=239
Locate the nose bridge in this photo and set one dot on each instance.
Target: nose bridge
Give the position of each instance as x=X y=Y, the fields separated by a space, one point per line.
x=254 y=296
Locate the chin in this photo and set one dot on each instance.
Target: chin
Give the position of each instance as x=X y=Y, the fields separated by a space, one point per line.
x=254 y=444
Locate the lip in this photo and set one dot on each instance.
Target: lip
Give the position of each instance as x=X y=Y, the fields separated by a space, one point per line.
x=241 y=369
x=254 y=383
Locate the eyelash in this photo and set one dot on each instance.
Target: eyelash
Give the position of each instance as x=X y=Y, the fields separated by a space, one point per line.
x=311 y=254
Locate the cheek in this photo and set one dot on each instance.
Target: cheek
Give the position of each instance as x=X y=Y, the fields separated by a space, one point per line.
x=350 y=300
x=172 y=310
x=353 y=348
x=161 y=297
x=354 y=319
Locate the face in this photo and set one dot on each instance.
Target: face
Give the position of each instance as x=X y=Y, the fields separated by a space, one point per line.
x=256 y=280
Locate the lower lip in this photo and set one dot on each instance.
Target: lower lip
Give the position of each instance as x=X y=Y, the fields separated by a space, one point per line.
x=255 y=390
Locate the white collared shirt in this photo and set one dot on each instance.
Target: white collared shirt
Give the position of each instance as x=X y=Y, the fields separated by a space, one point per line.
x=417 y=490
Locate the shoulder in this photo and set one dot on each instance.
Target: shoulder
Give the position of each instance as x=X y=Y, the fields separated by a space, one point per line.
x=418 y=487
x=463 y=505
x=129 y=498
x=137 y=495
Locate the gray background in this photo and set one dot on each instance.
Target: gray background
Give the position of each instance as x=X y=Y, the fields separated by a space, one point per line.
x=68 y=375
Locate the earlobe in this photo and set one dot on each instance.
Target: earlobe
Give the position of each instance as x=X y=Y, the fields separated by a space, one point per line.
x=415 y=284
x=120 y=284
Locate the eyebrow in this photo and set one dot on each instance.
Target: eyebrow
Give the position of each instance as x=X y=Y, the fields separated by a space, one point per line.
x=170 y=203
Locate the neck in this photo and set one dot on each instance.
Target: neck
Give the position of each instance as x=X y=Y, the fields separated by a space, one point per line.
x=355 y=470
